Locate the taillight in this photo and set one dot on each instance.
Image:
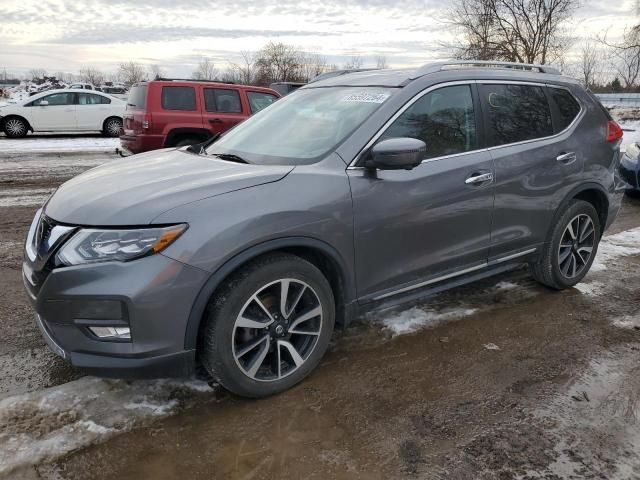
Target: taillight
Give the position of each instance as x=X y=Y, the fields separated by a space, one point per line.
x=146 y=121
x=614 y=131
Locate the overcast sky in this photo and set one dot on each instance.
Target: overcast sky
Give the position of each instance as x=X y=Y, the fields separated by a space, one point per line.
x=61 y=35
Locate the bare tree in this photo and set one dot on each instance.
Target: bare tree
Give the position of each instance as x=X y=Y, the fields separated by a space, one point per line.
x=354 y=63
x=278 y=62
x=381 y=62
x=206 y=70
x=312 y=65
x=131 y=72
x=512 y=30
x=91 y=75
x=156 y=71
x=244 y=72
x=590 y=67
x=37 y=73
x=626 y=56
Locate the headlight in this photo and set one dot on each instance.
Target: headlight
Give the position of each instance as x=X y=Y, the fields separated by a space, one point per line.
x=89 y=245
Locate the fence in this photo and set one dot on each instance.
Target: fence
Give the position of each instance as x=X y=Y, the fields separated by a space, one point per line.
x=622 y=99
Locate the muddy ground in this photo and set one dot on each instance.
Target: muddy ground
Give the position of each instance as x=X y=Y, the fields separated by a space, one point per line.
x=502 y=379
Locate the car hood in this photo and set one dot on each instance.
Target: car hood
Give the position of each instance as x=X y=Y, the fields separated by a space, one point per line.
x=136 y=189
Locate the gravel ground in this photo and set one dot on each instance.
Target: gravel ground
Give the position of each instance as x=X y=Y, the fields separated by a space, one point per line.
x=500 y=379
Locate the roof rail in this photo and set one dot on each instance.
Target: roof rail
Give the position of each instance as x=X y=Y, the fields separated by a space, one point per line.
x=164 y=79
x=439 y=66
x=336 y=73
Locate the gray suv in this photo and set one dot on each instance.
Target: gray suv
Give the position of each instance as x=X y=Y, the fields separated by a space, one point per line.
x=356 y=192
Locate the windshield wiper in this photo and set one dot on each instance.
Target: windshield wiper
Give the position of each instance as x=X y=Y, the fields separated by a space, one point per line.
x=230 y=157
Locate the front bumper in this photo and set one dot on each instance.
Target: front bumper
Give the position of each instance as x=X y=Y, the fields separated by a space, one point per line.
x=154 y=297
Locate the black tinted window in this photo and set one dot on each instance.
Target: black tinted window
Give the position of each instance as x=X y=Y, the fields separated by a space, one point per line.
x=516 y=112
x=568 y=107
x=222 y=100
x=443 y=119
x=178 y=98
x=259 y=100
x=137 y=96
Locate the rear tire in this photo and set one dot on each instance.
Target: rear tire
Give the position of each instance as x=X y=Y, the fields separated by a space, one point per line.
x=268 y=327
x=15 y=127
x=112 y=127
x=185 y=142
x=571 y=247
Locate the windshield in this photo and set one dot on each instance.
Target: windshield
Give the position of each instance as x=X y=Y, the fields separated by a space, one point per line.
x=302 y=127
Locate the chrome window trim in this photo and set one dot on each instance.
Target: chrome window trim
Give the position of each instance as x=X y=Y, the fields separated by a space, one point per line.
x=419 y=95
x=577 y=118
x=456 y=274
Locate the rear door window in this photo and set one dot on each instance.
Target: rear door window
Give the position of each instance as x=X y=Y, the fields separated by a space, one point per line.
x=260 y=100
x=92 y=99
x=516 y=113
x=222 y=100
x=567 y=107
x=444 y=119
x=178 y=98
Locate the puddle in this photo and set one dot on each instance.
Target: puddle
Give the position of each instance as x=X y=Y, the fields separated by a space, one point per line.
x=597 y=421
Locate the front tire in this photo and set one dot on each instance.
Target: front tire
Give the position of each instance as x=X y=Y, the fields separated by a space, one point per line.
x=268 y=327
x=573 y=244
x=15 y=127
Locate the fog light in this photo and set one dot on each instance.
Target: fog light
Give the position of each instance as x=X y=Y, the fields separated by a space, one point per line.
x=122 y=333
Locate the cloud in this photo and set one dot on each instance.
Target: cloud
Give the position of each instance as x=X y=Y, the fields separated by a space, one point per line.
x=108 y=34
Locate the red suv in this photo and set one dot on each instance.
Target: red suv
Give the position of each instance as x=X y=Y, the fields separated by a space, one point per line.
x=174 y=113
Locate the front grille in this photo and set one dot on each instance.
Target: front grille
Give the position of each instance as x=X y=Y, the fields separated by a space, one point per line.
x=43 y=241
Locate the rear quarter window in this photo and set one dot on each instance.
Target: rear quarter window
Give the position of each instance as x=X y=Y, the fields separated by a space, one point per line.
x=137 y=96
x=516 y=113
x=567 y=107
x=178 y=98
x=260 y=100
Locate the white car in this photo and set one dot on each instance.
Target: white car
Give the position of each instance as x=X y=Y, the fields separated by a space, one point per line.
x=66 y=110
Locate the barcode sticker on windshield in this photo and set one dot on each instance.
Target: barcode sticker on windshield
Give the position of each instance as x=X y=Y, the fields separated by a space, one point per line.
x=366 y=97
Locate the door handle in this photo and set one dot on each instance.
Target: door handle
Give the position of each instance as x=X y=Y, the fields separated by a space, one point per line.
x=567 y=158
x=68 y=109
x=479 y=178
x=215 y=120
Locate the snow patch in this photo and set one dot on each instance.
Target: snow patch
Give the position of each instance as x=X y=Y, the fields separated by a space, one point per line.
x=592 y=289
x=58 y=145
x=44 y=425
x=24 y=197
x=491 y=346
x=628 y=322
x=615 y=246
x=417 y=318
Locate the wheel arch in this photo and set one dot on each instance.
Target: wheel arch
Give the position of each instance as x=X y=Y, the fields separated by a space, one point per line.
x=15 y=115
x=177 y=134
x=319 y=253
x=593 y=193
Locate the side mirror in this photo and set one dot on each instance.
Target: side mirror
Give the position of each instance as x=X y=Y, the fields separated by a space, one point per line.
x=43 y=103
x=397 y=154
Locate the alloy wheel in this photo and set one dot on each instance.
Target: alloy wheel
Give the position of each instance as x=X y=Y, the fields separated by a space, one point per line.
x=114 y=127
x=277 y=330
x=576 y=246
x=15 y=127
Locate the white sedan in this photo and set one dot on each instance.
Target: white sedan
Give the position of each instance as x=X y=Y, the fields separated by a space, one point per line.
x=66 y=110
